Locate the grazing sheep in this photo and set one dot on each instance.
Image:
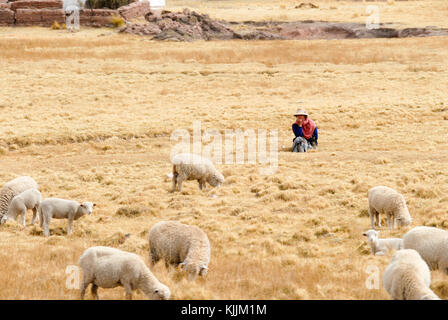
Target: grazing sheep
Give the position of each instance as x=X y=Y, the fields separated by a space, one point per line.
x=13 y=188
x=107 y=267
x=178 y=243
x=28 y=199
x=431 y=243
x=407 y=277
x=389 y=202
x=62 y=209
x=188 y=166
x=381 y=246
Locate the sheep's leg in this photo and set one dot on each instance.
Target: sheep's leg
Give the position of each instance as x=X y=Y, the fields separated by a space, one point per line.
x=23 y=213
x=69 y=227
x=41 y=218
x=179 y=182
x=175 y=175
x=83 y=288
x=371 y=214
x=388 y=221
x=94 y=291
x=201 y=185
x=153 y=257
x=128 y=289
x=378 y=219
x=34 y=215
x=47 y=221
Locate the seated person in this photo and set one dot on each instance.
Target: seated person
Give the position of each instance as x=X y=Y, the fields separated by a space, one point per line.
x=306 y=129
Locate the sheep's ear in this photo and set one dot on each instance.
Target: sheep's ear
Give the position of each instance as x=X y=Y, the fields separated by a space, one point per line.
x=94 y=204
x=364 y=234
x=82 y=205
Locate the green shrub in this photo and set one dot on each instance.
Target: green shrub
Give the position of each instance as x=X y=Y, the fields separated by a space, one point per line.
x=117 y=21
x=55 y=26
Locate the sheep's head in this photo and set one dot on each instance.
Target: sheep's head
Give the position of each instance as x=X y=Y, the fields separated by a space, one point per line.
x=4 y=218
x=10 y=215
x=216 y=179
x=161 y=292
x=193 y=269
x=405 y=219
x=203 y=270
x=87 y=207
x=372 y=235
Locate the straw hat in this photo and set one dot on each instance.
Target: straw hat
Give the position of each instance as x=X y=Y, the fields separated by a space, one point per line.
x=301 y=112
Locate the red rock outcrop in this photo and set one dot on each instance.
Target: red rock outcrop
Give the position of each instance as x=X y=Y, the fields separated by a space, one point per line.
x=134 y=10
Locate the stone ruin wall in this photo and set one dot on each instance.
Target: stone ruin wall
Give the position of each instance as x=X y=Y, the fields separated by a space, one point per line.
x=45 y=12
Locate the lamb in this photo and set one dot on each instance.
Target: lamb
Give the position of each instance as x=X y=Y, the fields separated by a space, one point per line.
x=431 y=243
x=407 y=277
x=188 y=166
x=107 y=267
x=389 y=202
x=62 y=209
x=180 y=244
x=13 y=188
x=28 y=199
x=381 y=246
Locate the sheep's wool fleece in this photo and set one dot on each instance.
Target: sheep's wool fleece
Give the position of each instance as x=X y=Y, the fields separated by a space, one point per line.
x=13 y=188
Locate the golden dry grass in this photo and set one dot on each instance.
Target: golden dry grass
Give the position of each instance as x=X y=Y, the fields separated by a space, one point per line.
x=89 y=116
x=401 y=14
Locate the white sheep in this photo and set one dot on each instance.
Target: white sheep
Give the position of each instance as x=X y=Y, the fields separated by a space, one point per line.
x=107 y=267
x=13 y=188
x=188 y=166
x=407 y=277
x=431 y=243
x=381 y=246
x=180 y=244
x=62 y=209
x=387 y=201
x=28 y=199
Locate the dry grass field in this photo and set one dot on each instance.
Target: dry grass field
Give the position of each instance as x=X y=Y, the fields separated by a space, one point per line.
x=89 y=116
